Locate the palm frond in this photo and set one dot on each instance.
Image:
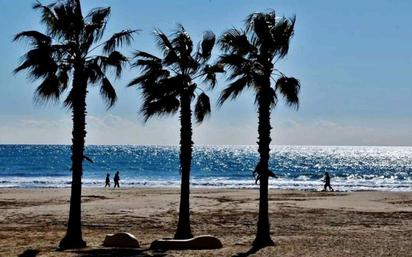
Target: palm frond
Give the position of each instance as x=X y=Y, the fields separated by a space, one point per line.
x=289 y=87
x=182 y=42
x=63 y=78
x=154 y=91
x=148 y=64
x=98 y=18
x=49 y=18
x=210 y=71
x=49 y=90
x=35 y=37
x=63 y=19
x=96 y=21
x=206 y=46
x=115 y=60
x=164 y=44
x=183 y=46
x=94 y=71
x=249 y=22
x=142 y=54
x=232 y=60
x=39 y=62
x=235 y=62
x=70 y=15
x=260 y=23
x=136 y=81
x=98 y=15
x=63 y=52
x=68 y=102
x=166 y=105
x=260 y=28
x=149 y=78
x=172 y=85
x=202 y=107
x=239 y=65
x=108 y=92
x=236 y=41
x=233 y=89
x=119 y=39
x=152 y=70
x=283 y=33
x=267 y=95
x=162 y=41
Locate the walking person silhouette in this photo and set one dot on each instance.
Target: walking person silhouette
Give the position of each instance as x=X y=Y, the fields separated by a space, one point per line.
x=327 y=182
x=116 y=179
x=107 y=180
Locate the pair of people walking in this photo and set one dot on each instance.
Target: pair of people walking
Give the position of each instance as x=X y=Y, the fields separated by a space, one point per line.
x=116 y=180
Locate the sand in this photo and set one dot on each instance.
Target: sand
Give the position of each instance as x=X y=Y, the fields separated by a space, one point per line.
x=302 y=223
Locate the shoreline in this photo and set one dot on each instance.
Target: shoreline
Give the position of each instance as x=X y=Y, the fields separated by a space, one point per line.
x=385 y=190
x=340 y=224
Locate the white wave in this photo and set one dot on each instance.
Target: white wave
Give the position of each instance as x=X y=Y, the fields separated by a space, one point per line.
x=302 y=183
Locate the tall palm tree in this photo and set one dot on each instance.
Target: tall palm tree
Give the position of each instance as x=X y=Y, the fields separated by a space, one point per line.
x=65 y=55
x=168 y=84
x=249 y=56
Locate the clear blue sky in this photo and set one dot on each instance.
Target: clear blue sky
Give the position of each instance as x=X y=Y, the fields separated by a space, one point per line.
x=353 y=58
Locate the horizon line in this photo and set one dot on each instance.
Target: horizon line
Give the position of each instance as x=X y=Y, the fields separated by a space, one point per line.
x=309 y=145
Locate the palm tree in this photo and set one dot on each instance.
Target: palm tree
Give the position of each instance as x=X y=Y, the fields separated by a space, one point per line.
x=249 y=56
x=65 y=55
x=168 y=85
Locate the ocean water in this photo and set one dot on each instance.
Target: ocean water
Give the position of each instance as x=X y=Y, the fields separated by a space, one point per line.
x=298 y=167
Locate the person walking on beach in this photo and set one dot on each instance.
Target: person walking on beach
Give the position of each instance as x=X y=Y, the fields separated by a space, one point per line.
x=107 y=180
x=327 y=182
x=116 y=179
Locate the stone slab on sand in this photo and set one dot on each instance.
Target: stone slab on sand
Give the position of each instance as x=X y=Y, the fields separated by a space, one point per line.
x=197 y=243
x=123 y=239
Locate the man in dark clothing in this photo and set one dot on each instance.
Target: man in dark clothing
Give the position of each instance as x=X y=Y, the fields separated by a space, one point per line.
x=116 y=179
x=327 y=182
x=107 y=180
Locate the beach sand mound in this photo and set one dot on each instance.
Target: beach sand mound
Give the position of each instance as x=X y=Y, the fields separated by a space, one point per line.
x=197 y=243
x=123 y=239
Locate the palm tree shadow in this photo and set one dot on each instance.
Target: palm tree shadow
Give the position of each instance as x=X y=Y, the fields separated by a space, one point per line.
x=29 y=253
x=251 y=251
x=107 y=252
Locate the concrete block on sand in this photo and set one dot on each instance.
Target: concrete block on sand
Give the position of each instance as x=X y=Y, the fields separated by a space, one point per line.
x=197 y=243
x=123 y=239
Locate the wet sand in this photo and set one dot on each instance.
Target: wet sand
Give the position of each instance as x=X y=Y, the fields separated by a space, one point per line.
x=302 y=223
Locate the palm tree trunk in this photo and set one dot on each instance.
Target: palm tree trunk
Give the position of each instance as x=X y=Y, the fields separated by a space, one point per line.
x=183 y=227
x=73 y=238
x=263 y=228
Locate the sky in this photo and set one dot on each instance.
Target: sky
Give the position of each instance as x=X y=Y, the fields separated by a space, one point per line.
x=353 y=59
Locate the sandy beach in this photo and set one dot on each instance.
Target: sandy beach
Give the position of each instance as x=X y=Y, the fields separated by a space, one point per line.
x=302 y=223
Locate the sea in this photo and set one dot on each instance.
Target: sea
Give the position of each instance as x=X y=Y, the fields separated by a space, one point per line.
x=352 y=168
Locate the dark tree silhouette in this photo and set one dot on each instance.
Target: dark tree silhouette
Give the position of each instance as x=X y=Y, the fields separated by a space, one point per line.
x=62 y=56
x=168 y=85
x=249 y=56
